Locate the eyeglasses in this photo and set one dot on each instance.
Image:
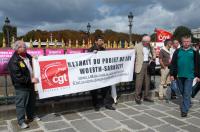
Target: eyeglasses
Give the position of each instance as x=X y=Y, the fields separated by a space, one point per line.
x=146 y=41
x=186 y=41
x=23 y=47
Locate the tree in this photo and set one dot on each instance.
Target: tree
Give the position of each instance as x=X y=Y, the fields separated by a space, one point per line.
x=78 y=35
x=153 y=37
x=182 y=31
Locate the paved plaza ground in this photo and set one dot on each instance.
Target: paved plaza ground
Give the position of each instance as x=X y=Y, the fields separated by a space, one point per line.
x=148 y=117
x=128 y=117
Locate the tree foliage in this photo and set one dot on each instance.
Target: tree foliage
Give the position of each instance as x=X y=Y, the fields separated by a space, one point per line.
x=1 y=39
x=78 y=35
x=181 y=31
x=153 y=37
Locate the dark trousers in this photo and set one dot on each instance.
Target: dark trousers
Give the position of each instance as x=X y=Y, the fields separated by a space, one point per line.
x=25 y=104
x=142 y=78
x=106 y=97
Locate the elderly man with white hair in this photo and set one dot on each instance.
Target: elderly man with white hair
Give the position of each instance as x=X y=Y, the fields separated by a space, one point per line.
x=20 y=68
x=144 y=54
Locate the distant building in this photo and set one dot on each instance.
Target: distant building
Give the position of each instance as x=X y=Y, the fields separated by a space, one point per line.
x=196 y=33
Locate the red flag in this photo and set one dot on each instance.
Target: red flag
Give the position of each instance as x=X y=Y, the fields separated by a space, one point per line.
x=162 y=35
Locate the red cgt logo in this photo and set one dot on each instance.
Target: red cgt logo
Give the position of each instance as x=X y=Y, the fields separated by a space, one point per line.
x=54 y=74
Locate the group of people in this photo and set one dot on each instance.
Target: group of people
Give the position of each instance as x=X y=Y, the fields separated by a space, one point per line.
x=179 y=63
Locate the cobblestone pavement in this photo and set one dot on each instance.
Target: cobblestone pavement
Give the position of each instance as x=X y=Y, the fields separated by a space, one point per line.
x=129 y=117
x=148 y=117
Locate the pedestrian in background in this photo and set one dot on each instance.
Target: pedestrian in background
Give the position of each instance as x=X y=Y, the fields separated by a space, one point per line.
x=174 y=90
x=164 y=59
x=174 y=47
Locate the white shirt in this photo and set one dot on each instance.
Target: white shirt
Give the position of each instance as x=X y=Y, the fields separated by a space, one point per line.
x=27 y=62
x=171 y=50
x=146 y=53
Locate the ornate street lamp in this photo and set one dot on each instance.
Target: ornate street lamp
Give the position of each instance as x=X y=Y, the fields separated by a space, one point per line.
x=88 y=28
x=7 y=25
x=130 y=19
x=7 y=22
x=88 y=31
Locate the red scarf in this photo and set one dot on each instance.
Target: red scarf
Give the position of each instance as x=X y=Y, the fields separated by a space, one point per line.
x=146 y=44
x=23 y=55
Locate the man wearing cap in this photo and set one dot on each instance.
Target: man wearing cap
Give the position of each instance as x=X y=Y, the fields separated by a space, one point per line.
x=144 y=54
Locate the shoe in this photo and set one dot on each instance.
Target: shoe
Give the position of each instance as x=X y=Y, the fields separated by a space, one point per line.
x=138 y=101
x=160 y=98
x=24 y=125
x=173 y=97
x=156 y=94
x=148 y=100
x=183 y=114
x=36 y=118
x=110 y=107
x=96 y=108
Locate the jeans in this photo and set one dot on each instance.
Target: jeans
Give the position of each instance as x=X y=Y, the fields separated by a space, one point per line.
x=185 y=86
x=175 y=88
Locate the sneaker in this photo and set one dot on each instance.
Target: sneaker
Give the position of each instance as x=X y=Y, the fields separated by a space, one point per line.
x=24 y=125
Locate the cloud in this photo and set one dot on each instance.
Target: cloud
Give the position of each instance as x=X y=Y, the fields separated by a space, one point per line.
x=31 y=13
x=48 y=10
x=175 y=5
x=102 y=14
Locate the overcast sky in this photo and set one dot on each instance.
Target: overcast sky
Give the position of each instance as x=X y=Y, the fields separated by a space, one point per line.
x=101 y=14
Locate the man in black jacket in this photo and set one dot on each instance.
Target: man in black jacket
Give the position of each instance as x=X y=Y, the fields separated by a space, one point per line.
x=185 y=67
x=105 y=92
x=20 y=68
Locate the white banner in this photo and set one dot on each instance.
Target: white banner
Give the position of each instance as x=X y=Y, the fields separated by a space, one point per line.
x=73 y=73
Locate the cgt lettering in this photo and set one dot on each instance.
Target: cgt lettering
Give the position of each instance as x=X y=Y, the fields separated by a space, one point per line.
x=60 y=79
